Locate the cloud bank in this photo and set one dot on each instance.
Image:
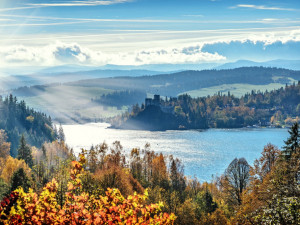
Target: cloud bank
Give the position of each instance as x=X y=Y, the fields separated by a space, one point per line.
x=262 y=7
x=63 y=53
x=256 y=51
x=168 y=48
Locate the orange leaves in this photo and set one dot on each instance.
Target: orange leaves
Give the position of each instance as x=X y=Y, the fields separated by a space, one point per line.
x=80 y=207
x=6 y=206
x=70 y=187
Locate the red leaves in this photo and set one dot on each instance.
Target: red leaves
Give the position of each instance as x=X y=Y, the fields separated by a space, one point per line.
x=6 y=205
x=79 y=207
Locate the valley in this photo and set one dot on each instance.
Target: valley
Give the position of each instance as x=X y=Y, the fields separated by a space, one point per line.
x=72 y=101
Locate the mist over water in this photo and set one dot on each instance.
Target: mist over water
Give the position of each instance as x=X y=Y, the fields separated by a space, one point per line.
x=203 y=153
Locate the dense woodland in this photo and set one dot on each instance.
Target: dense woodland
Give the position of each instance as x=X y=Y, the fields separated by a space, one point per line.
x=16 y=119
x=48 y=186
x=175 y=83
x=171 y=84
x=121 y=98
x=270 y=108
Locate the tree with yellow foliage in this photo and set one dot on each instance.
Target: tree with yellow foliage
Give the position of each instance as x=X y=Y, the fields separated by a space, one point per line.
x=10 y=166
x=4 y=145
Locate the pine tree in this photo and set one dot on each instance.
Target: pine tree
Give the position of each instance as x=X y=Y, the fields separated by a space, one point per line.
x=20 y=179
x=24 y=152
x=44 y=153
x=61 y=134
x=293 y=142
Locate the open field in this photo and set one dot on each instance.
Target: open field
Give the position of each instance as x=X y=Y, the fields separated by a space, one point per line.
x=235 y=89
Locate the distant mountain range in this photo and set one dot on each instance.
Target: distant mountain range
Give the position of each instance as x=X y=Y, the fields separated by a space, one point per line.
x=15 y=81
x=279 y=63
x=153 y=69
x=76 y=97
x=69 y=73
x=172 y=84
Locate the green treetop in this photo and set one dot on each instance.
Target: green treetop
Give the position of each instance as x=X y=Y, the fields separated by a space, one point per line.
x=24 y=152
x=292 y=143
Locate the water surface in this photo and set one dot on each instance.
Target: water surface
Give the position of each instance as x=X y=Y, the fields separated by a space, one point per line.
x=204 y=153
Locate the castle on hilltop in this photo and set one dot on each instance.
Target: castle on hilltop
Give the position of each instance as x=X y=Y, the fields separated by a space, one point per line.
x=156 y=102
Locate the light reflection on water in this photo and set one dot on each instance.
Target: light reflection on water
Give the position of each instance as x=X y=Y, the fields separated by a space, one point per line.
x=204 y=153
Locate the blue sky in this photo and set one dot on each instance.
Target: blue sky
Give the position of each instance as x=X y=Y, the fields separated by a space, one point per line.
x=136 y=32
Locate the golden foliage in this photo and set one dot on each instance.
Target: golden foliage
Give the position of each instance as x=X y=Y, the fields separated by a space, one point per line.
x=10 y=165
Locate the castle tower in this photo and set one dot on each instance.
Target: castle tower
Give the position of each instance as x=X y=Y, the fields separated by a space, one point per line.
x=156 y=100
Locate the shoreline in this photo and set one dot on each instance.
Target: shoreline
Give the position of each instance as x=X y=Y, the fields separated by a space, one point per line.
x=112 y=127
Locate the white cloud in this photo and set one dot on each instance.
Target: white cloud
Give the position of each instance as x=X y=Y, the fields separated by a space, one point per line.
x=80 y=3
x=17 y=8
x=262 y=7
x=66 y=4
x=62 y=53
x=128 y=47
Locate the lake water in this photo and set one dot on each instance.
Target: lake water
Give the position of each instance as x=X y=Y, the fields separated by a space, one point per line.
x=204 y=153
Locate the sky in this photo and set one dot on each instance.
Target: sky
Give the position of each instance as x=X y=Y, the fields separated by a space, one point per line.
x=138 y=32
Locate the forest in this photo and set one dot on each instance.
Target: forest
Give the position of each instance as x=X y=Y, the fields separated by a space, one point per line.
x=16 y=119
x=103 y=185
x=121 y=98
x=173 y=84
x=275 y=108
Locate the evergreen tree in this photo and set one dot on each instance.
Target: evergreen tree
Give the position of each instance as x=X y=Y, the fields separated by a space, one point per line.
x=4 y=188
x=61 y=134
x=44 y=153
x=292 y=143
x=24 y=152
x=205 y=203
x=20 y=179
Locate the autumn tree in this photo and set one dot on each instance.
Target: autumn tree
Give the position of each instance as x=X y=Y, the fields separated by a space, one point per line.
x=80 y=207
x=9 y=166
x=235 y=180
x=160 y=175
x=4 y=145
x=265 y=163
x=260 y=188
x=216 y=218
x=186 y=213
x=136 y=166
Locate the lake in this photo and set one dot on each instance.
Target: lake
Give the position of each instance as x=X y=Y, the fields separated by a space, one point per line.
x=204 y=153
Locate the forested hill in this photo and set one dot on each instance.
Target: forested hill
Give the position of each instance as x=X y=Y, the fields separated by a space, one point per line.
x=276 y=108
x=176 y=83
x=16 y=119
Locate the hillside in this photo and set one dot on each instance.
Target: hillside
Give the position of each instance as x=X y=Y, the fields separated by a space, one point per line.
x=175 y=83
x=74 y=101
x=16 y=118
x=279 y=63
x=152 y=118
x=276 y=108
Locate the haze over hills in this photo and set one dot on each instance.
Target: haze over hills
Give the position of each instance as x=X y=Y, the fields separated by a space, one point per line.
x=26 y=76
x=279 y=63
x=74 y=99
x=174 y=83
x=15 y=81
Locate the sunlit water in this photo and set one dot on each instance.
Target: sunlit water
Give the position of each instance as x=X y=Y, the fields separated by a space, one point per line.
x=204 y=153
